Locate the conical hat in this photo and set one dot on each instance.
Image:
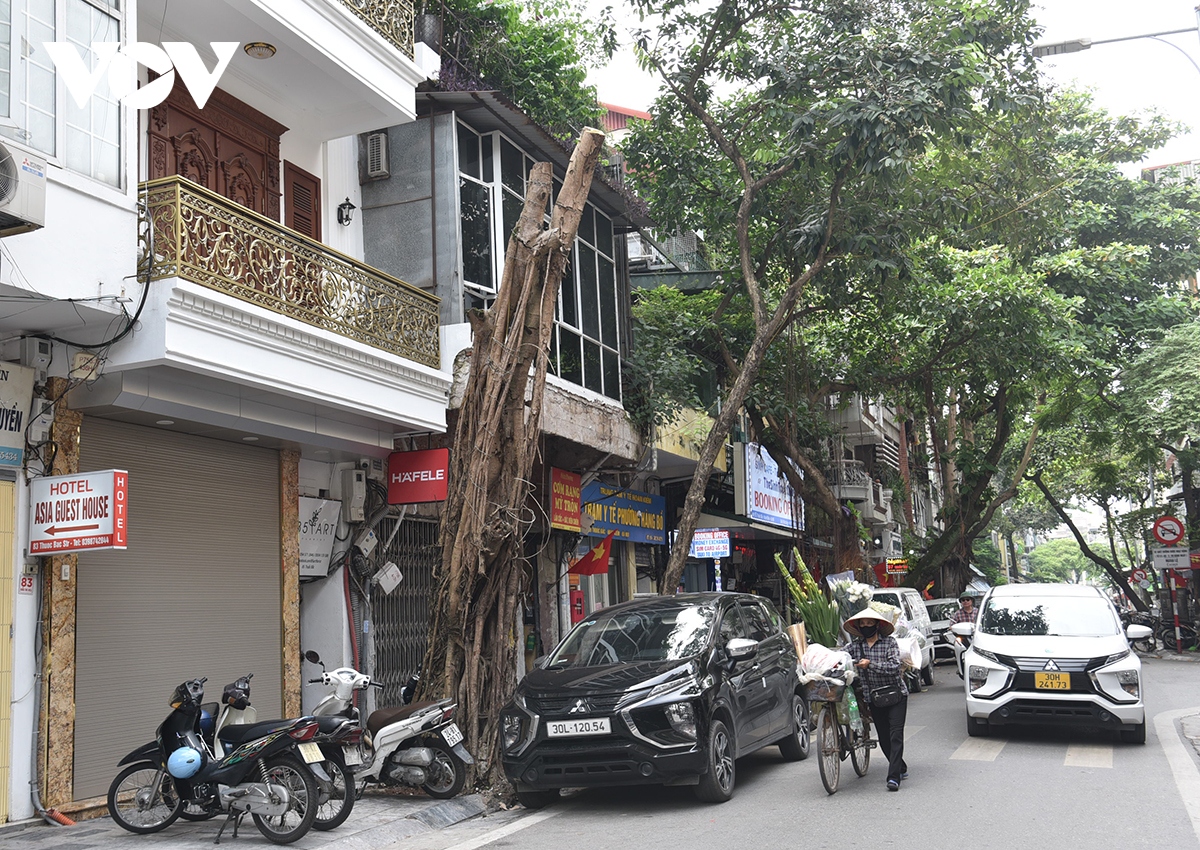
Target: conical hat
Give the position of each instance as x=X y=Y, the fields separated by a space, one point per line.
x=886 y=627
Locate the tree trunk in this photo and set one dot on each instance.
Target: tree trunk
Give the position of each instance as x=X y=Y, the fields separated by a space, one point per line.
x=472 y=648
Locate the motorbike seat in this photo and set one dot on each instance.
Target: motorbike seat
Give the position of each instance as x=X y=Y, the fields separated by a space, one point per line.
x=387 y=716
x=240 y=733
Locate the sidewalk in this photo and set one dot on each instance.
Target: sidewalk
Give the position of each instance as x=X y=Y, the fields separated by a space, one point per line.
x=378 y=821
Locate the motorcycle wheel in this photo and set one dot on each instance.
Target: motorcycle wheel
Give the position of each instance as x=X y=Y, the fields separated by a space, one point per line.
x=301 y=786
x=332 y=812
x=140 y=803
x=447 y=774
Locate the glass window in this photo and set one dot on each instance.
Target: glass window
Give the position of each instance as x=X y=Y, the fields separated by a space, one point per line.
x=592 y=378
x=468 y=151
x=607 y=283
x=628 y=636
x=604 y=234
x=87 y=140
x=570 y=357
x=756 y=620
x=512 y=168
x=731 y=626
x=612 y=374
x=476 y=211
x=589 y=299
x=1069 y=616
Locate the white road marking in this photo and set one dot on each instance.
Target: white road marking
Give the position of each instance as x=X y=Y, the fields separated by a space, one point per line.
x=510 y=828
x=1089 y=755
x=1187 y=777
x=978 y=749
x=910 y=731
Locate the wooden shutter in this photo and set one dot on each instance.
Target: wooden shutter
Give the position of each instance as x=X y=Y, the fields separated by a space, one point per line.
x=303 y=194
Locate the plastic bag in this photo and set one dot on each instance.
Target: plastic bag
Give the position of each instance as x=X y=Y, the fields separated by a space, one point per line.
x=910 y=650
x=822 y=661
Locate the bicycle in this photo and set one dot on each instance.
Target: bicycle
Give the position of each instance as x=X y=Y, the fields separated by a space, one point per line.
x=841 y=730
x=1164 y=632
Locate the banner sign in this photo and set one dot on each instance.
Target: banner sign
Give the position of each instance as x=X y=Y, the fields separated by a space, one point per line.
x=415 y=477
x=318 y=531
x=709 y=543
x=631 y=515
x=897 y=566
x=1175 y=558
x=565 y=490
x=16 y=395
x=74 y=512
x=760 y=490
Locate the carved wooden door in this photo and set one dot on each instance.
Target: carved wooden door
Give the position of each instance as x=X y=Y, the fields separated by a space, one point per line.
x=228 y=147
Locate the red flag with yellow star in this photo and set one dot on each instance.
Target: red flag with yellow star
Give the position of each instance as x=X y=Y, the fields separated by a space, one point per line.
x=595 y=561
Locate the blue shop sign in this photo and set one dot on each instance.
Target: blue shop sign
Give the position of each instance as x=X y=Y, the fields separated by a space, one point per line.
x=629 y=514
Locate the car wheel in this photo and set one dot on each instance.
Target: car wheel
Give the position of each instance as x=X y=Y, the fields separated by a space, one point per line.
x=535 y=799
x=927 y=674
x=913 y=679
x=716 y=785
x=976 y=727
x=794 y=747
x=1134 y=734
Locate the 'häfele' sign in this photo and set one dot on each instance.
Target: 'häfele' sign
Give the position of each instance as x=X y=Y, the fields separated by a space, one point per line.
x=74 y=512
x=415 y=477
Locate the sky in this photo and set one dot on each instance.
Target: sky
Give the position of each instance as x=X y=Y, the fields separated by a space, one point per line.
x=1126 y=77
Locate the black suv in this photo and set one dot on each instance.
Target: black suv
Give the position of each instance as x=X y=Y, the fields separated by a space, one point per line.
x=668 y=690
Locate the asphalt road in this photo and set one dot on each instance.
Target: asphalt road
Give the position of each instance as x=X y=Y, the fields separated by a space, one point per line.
x=1020 y=789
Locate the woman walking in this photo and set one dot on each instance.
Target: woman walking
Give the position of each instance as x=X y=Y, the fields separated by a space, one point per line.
x=877 y=658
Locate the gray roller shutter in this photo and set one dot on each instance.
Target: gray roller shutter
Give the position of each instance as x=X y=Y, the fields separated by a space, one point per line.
x=197 y=593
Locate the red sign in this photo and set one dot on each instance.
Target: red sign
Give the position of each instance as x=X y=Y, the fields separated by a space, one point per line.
x=69 y=513
x=1168 y=530
x=565 y=488
x=415 y=477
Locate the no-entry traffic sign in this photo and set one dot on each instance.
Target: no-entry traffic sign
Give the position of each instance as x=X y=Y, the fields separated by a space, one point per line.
x=1168 y=530
x=74 y=512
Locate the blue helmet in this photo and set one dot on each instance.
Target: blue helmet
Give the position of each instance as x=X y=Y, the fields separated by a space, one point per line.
x=185 y=762
x=207 y=722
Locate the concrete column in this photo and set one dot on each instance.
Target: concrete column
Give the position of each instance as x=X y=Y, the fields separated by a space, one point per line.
x=289 y=544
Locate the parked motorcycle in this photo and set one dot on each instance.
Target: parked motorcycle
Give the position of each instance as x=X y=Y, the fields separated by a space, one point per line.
x=265 y=776
x=415 y=745
x=235 y=723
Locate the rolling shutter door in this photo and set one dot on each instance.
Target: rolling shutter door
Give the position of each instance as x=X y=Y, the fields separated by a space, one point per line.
x=197 y=593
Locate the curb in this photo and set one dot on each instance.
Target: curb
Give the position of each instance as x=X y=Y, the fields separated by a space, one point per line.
x=1191 y=730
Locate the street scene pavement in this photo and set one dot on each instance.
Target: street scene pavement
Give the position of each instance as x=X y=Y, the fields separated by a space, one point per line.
x=1009 y=789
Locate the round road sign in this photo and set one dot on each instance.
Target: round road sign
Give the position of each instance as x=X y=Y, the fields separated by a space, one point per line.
x=1138 y=576
x=1168 y=530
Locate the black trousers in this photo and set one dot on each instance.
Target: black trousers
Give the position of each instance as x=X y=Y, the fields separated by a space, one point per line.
x=889 y=727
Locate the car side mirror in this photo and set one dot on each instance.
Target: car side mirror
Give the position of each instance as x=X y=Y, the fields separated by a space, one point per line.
x=739 y=649
x=963 y=629
x=1136 y=631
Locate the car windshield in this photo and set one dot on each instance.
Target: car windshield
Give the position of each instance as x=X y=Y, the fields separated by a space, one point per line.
x=941 y=610
x=663 y=633
x=1049 y=615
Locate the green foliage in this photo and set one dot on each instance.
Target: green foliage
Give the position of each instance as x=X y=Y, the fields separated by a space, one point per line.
x=537 y=53
x=1058 y=560
x=819 y=615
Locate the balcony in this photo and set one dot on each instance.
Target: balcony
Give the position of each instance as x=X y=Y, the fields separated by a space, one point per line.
x=202 y=237
x=851 y=481
x=393 y=20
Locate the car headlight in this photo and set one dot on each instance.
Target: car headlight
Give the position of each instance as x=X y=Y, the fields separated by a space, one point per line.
x=682 y=718
x=977 y=676
x=992 y=657
x=511 y=732
x=688 y=684
x=1129 y=681
x=1115 y=657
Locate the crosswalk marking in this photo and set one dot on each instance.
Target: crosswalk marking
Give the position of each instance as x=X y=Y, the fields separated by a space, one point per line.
x=978 y=749
x=1089 y=755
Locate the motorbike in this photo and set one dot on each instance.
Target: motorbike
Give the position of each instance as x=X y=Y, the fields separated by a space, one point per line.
x=336 y=736
x=264 y=776
x=416 y=745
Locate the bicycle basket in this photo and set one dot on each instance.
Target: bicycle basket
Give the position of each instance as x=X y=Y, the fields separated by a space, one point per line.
x=824 y=690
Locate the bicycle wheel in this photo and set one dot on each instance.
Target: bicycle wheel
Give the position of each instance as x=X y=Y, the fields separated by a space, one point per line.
x=860 y=751
x=1186 y=633
x=830 y=747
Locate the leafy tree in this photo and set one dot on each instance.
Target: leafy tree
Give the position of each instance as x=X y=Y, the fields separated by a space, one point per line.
x=1058 y=560
x=537 y=52
x=797 y=179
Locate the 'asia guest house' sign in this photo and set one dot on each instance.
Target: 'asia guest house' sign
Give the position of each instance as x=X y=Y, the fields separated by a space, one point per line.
x=69 y=513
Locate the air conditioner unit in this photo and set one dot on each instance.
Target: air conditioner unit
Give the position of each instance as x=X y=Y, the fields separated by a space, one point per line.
x=22 y=189
x=377 y=155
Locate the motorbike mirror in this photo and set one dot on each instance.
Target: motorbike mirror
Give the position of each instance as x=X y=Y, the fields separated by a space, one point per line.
x=313 y=658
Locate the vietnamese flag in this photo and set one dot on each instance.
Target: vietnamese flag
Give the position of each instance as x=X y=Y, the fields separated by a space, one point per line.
x=595 y=561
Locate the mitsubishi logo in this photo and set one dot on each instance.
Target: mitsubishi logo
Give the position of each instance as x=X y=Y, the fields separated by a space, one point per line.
x=580 y=707
x=1050 y=665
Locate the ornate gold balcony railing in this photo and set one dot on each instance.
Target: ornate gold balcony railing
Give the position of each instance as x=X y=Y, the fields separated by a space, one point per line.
x=207 y=239
x=393 y=19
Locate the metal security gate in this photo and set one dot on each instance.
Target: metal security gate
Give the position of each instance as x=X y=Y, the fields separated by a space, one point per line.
x=402 y=617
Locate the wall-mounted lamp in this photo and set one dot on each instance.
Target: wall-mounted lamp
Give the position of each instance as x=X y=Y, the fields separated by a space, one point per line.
x=345 y=211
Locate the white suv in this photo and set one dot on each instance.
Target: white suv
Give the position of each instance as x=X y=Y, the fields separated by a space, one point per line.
x=1052 y=654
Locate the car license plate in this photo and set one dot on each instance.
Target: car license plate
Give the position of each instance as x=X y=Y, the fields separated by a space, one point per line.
x=311 y=753
x=452 y=735
x=1052 y=681
x=574 y=728
x=352 y=756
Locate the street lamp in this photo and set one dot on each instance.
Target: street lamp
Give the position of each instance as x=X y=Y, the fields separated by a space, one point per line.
x=1075 y=45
